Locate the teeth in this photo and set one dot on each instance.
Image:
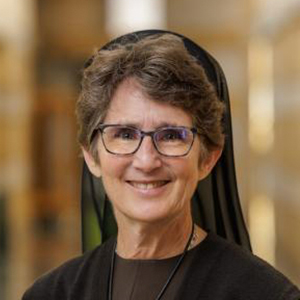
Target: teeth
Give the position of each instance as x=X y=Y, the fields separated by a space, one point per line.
x=148 y=185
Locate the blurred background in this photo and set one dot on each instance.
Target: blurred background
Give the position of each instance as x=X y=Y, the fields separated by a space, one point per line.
x=43 y=45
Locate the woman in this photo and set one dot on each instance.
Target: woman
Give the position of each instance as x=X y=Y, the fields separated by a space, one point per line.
x=151 y=126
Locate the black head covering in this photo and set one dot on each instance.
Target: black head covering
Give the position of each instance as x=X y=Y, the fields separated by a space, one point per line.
x=215 y=204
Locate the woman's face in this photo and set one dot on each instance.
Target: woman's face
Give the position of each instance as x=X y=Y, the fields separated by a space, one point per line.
x=146 y=186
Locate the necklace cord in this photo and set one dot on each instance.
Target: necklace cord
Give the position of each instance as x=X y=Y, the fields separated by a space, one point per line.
x=178 y=263
x=172 y=274
x=111 y=273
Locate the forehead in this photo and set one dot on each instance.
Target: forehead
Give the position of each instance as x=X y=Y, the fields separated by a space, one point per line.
x=129 y=105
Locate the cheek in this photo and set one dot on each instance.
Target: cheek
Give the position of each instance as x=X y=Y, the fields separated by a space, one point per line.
x=187 y=176
x=190 y=173
x=111 y=177
x=112 y=167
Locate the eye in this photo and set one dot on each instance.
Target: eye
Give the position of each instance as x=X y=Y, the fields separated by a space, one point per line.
x=125 y=133
x=172 y=135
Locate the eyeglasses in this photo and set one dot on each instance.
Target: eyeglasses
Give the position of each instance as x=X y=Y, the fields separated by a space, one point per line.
x=172 y=141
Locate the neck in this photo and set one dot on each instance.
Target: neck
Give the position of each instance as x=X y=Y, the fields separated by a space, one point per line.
x=165 y=239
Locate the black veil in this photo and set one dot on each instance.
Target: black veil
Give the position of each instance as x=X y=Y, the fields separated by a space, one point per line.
x=215 y=204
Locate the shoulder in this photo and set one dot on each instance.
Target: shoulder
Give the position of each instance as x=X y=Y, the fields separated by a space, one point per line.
x=243 y=261
x=63 y=281
x=238 y=272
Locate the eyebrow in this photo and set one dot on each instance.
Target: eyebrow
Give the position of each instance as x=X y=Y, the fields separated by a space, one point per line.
x=161 y=125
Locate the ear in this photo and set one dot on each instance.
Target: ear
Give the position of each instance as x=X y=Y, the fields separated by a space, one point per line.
x=208 y=163
x=93 y=166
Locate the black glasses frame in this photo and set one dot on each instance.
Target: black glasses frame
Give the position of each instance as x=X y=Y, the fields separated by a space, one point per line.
x=142 y=134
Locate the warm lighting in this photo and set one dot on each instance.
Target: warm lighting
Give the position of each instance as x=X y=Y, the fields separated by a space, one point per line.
x=17 y=19
x=261 y=98
x=262 y=227
x=123 y=16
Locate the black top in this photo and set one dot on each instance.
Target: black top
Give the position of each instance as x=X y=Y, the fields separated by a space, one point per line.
x=214 y=270
x=137 y=279
x=141 y=279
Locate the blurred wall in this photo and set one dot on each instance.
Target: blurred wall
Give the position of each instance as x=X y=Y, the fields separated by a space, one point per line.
x=286 y=161
x=43 y=45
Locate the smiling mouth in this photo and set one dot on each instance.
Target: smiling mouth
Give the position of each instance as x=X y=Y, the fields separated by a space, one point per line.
x=148 y=185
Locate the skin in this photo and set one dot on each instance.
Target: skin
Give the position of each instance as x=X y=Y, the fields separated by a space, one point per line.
x=150 y=193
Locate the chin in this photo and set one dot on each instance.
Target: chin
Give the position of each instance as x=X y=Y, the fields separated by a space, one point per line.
x=151 y=213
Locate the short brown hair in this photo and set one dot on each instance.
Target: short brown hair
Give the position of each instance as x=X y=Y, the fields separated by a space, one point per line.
x=165 y=71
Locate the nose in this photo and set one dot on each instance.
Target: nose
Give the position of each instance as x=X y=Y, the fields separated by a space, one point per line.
x=147 y=158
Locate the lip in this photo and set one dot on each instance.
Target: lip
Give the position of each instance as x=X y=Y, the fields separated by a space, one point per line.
x=149 y=188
